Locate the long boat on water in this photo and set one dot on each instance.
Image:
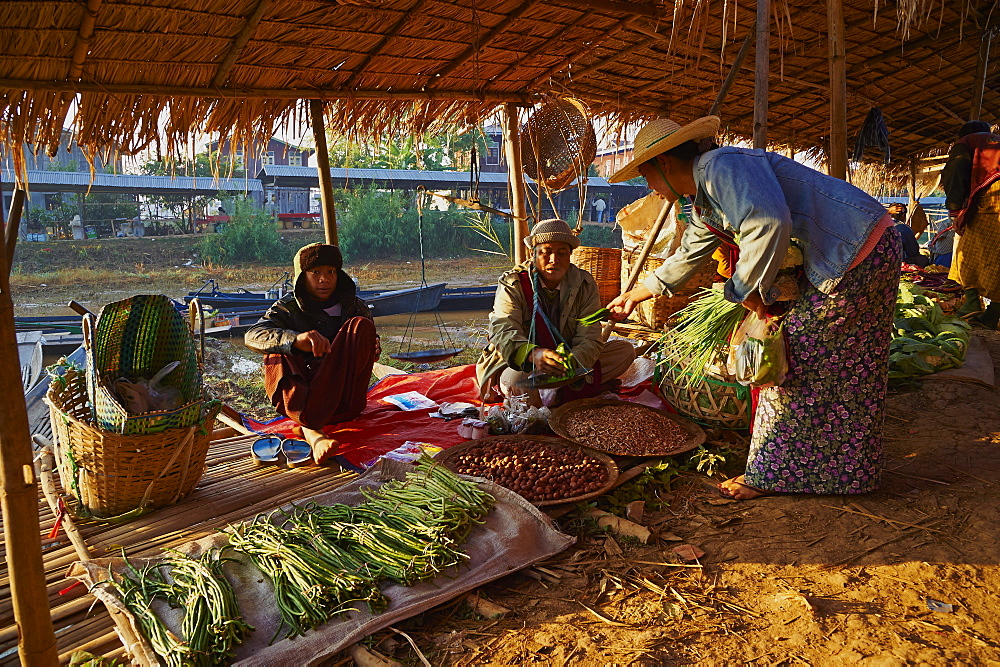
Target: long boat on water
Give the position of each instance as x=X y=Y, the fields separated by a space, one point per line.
x=382 y=302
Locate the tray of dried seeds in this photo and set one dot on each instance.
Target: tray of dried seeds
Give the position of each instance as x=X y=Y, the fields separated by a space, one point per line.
x=543 y=470
x=628 y=429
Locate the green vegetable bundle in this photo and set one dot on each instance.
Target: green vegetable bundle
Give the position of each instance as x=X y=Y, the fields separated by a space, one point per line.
x=320 y=560
x=323 y=559
x=212 y=626
x=925 y=340
x=701 y=335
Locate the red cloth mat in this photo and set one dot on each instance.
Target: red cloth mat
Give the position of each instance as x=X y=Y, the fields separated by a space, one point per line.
x=383 y=427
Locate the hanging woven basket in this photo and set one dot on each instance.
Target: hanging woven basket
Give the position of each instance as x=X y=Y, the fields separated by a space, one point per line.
x=558 y=143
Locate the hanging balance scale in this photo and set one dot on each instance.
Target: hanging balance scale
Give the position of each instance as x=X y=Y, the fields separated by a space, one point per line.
x=447 y=348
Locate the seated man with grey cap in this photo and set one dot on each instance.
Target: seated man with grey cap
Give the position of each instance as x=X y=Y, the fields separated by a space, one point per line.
x=537 y=307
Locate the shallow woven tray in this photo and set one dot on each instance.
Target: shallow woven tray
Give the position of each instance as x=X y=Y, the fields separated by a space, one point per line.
x=445 y=458
x=562 y=415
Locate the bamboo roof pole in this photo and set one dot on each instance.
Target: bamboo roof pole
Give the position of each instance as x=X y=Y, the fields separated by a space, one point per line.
x=837 y=157
x=982 y=64
x=515 y=175
x=734 y=70
x=323 y=169
x=19 y=494
x=13 y=225
x=763 y=67
x=238 y=44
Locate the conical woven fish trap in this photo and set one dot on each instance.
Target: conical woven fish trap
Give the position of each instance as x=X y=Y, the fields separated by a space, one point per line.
x=558 y=143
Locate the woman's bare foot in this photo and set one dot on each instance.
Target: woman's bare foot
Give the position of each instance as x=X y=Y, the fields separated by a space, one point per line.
x=323 y=446
x=737 y=489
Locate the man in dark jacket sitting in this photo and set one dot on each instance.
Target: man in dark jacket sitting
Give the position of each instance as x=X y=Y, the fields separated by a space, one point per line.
x=319 y=345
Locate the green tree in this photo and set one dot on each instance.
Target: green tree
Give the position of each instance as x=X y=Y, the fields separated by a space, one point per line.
x=250 y=236
x=443 y=152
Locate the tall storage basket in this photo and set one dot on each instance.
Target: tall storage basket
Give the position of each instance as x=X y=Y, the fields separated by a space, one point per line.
x=110 y=473
x=656 y=312
x=605 y=264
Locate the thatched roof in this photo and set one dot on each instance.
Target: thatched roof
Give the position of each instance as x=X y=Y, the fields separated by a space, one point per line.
x=149 y=70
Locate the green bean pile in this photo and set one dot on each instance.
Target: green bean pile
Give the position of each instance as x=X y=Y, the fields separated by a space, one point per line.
x=405 y=531
x=213 y=623
x=212 y=626
x=321 y=559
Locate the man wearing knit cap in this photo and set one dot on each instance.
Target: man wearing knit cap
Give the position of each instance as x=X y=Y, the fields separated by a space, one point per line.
x=538 y=306
x=319 y=345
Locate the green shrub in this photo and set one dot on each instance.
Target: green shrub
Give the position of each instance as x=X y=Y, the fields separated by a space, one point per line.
x=379 y=224
x=599 y=237
x=251 y=235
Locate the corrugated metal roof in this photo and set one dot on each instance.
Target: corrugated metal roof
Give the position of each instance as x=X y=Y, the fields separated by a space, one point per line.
x=287 y=171
x=134 y=182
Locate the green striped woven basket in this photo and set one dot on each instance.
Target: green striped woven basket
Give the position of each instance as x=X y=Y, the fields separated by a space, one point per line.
x=135 y=338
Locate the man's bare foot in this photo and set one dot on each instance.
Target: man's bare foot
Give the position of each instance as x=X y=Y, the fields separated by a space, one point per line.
x=737 y=489
x=323 y=446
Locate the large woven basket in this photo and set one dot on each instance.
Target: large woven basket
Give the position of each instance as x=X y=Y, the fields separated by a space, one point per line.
x=135 y=338
x=558 y=143
x=605 y=264
x=716 y=400
x=655 y=313
x=111 y=474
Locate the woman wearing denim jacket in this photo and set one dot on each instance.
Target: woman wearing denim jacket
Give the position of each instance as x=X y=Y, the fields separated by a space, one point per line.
x=821 y=430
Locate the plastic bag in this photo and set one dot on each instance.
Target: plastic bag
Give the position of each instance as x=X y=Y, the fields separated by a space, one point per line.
x=757 y=355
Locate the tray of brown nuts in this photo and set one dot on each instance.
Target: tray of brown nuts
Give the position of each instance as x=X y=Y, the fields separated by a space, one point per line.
x=544 y=470
x=625 y=428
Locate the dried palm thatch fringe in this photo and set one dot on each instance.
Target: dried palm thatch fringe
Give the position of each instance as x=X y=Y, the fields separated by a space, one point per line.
x=147 y=76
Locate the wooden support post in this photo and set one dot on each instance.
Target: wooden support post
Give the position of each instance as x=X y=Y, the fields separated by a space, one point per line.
x=913 y=185
x=763 y=68
x=980 y=82
x=837 y=156
x=13 y=225
x=323 y=169
x=515 y=175
x=734 y=70
x=19 y=499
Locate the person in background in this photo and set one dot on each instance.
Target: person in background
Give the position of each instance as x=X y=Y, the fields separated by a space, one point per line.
x=911 y=249
x=942 y=241
x=971 y=182
x=820 y=431
x=599 y=206
x=538 y=306
x=319 y=345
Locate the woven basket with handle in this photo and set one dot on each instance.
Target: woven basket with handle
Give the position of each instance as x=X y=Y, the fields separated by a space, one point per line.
x=655 y=313
x=716 y=400
x=111 y=474
x=558 y=143
x=135 y=338
x=605 y=264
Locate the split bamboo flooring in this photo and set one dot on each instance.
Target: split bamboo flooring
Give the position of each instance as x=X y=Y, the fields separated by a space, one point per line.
x=233 y=488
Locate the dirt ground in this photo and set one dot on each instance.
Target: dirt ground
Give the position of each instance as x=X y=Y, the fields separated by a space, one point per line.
x=821 y=580
x=908 y=575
